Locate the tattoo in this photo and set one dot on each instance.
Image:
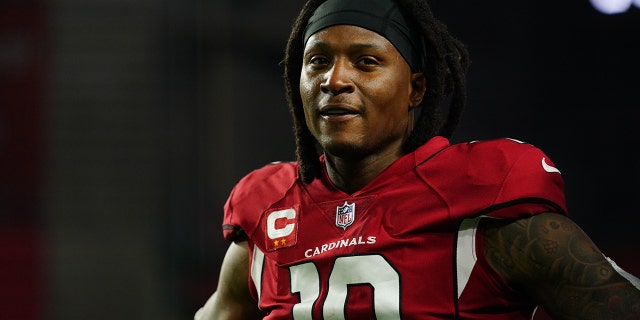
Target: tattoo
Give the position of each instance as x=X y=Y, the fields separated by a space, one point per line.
x=553 y=261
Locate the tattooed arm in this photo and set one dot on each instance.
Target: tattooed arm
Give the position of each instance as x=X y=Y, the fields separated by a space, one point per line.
x=552 y=260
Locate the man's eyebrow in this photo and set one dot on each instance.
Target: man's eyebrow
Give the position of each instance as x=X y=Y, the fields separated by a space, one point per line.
x=317 y=44
x=365 y=45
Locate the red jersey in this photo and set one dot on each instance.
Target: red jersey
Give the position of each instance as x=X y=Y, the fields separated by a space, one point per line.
x=403 y=247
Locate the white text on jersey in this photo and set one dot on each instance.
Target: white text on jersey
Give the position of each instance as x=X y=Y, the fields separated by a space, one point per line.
x=339 y=244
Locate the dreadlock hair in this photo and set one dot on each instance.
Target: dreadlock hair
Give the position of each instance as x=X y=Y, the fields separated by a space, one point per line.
x=446 y=66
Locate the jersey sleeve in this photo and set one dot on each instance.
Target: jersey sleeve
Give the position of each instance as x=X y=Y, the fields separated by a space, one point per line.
x=252 y=195
x=501 y=178
x=532 y=185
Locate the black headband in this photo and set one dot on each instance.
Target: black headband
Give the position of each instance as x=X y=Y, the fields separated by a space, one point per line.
x=381 y=16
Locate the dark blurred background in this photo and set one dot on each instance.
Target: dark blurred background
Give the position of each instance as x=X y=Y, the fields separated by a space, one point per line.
x=125 y=124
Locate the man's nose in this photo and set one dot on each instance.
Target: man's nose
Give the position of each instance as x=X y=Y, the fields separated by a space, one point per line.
x=338 y=78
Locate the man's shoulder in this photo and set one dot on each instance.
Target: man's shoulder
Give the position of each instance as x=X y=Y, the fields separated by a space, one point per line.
x=273 y=171
x=253 y=194
x=499 y=151
x=269 y=181
x=483 y=174
x=479 y=159
x=475 y=152
x=497 y=145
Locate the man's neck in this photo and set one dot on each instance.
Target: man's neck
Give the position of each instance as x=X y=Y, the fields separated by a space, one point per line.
x=350 y=176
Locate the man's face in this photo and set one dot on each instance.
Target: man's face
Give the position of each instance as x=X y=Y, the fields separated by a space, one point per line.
x=356 y=91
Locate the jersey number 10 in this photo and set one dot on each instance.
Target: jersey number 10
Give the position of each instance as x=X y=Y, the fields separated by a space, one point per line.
x=372 y=270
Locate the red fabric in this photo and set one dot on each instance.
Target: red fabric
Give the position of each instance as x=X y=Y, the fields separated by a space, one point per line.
x=399 y=254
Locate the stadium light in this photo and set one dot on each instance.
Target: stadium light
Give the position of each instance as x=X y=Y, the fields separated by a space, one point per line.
x=613 y=6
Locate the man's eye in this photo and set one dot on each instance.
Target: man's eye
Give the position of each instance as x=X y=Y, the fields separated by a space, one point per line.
x=318 y=61
x=368 y=61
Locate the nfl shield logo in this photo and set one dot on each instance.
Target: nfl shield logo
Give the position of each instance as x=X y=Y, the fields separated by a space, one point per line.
x=345 y=215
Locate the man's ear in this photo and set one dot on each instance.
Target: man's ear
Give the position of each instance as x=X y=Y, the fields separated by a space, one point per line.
x=419 y=87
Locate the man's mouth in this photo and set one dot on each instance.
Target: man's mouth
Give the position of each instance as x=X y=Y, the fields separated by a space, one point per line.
x=338 y=109
x=336 y=112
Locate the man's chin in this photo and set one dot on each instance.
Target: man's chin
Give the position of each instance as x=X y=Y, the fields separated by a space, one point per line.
x=344 y=149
